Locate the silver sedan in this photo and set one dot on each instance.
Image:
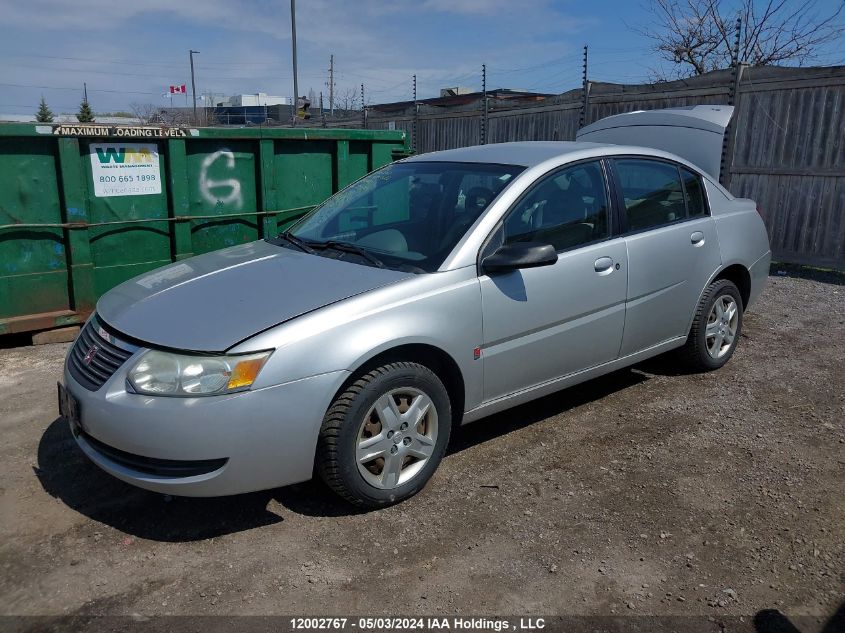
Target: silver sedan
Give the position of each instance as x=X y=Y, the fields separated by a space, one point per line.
x=430 y=293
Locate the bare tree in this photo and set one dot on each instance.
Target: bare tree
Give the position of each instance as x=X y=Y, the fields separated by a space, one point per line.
x=698 y=35
x=152 y=114
x=146 y=112
x=346 y=99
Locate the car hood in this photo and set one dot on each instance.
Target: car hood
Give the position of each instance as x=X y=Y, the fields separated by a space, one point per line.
x=213 y=301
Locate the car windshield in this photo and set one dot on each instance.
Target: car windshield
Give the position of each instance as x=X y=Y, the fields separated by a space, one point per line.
x=406 y=216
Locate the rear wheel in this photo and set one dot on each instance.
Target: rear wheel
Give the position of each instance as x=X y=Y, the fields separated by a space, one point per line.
x=716 y=327
x=384 y=436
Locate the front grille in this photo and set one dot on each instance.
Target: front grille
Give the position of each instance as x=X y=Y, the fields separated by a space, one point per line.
x=92 y=370
x=155 y=466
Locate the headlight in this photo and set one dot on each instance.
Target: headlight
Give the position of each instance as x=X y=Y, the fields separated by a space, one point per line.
x=165 y=374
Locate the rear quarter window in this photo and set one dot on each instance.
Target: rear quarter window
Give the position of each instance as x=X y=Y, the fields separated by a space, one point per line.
x=694 y=191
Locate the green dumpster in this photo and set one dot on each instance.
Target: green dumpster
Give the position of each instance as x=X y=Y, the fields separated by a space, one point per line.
x=86 y=207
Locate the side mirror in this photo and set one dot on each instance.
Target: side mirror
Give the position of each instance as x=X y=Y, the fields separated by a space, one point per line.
x=519 y=255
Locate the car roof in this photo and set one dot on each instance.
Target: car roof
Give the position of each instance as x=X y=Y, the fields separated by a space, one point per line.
x=524 y=153
x=532 y=153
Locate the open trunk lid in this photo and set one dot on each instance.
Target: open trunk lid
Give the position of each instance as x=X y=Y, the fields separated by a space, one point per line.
x=695 y=133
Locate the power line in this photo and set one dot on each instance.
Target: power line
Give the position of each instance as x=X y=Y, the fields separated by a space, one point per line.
x=556 y=77
x=116 y=73
x=557 y=86
x=369 y=79
x=131 y=92
x=610 y=57
x=453 y=80
x=403 y=82
x=505 y=71
x=171 y=64
x=87 y=72
x=20 y=105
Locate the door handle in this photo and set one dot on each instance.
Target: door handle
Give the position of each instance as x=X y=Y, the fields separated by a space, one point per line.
x=697 y=238
x=604 y=265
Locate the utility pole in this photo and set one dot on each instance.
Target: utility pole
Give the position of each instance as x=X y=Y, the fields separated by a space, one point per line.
x=85 y=91
x=191 y=54
x=363 y=109
x=416 y=113
x=484 y=97
x=293 y=44
x=331 y=85
x=585 y=89
x=322 y=112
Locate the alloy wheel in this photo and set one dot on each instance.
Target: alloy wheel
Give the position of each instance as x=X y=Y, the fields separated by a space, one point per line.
x=722 y=323
x=396 y=438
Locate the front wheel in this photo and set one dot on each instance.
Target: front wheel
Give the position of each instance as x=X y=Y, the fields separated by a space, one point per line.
x=716 y=327
x=384 y=436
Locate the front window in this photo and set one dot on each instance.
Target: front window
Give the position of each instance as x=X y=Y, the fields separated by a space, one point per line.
x=407 y=216
x=566 y=209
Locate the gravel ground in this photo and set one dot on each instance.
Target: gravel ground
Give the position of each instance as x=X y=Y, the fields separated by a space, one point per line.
x=644 y=492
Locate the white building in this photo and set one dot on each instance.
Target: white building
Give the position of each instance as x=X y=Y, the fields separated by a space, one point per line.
x=246 y=100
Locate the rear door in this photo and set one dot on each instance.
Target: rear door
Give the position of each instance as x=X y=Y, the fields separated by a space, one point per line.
x=672 y=248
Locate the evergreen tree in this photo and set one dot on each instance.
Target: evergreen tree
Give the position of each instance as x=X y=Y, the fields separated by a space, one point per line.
x=44 y=114
x=85 y=114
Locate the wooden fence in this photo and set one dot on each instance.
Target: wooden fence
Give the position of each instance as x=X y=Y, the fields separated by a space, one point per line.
x=787 y=150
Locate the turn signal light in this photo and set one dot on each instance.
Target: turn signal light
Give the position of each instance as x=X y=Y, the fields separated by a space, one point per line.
x=245 y=373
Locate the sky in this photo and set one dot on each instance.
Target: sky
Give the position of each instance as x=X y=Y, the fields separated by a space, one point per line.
x=129 y=53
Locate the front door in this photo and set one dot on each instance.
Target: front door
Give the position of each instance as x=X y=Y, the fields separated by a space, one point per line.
x=544 y=323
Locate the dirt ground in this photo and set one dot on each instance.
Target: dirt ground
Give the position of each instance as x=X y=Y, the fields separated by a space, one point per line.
x=644 y=492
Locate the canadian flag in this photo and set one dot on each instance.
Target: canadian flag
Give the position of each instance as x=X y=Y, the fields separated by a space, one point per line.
x=177 y=90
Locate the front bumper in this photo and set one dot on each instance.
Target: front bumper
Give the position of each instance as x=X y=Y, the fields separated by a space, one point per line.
x=267 y=437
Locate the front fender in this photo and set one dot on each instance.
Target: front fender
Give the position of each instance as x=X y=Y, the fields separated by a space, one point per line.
x=442 y=310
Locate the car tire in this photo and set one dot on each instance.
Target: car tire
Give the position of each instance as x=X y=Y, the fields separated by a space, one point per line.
x=716 y=327
x=400 y=415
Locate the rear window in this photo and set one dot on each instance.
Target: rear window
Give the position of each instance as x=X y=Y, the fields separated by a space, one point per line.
x=652 y=191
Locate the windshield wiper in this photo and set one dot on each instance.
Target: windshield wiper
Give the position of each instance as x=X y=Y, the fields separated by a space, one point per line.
x=311 y=247
x=289 y=237
x=349 y=247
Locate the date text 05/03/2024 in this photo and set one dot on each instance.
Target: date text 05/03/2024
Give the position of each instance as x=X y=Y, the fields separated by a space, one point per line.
x=412 y=623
